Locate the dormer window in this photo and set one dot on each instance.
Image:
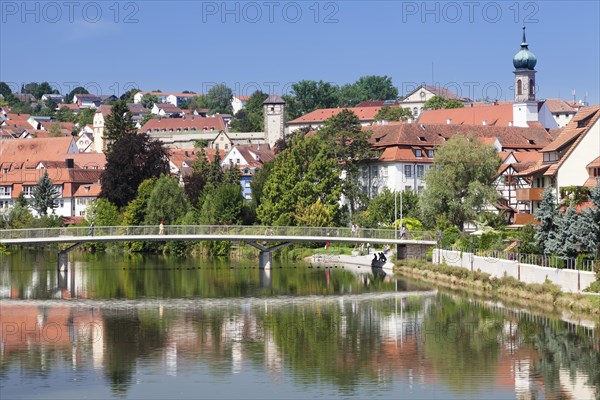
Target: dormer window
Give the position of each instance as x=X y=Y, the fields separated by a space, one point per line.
x=418 y=153
x=422 y=139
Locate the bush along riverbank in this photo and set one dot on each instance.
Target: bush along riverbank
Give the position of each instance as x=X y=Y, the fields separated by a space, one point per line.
x=547 y=295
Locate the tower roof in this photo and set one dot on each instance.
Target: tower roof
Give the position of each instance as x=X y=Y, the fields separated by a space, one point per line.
x=274 y=99
x=524 y=59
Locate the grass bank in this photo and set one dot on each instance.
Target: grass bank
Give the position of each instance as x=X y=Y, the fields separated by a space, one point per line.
x=546 y=296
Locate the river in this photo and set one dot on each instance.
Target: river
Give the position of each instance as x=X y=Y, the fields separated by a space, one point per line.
x=133 y=326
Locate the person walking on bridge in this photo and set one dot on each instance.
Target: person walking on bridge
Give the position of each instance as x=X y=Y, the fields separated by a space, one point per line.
x=161 y=228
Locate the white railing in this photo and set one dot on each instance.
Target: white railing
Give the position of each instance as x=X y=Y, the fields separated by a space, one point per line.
x=213 y=230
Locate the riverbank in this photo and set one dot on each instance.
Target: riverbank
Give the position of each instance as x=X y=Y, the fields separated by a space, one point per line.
x=546 y=296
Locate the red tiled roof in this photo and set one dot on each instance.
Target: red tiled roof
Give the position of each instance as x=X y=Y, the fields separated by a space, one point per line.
x=560 y=106
x=494 y=115
x=104 y=109
x=320 y=115
x=72 y=107
x=48 y=149
x=399 y=154
x=594 y=164
x=88 y=190
x=169 y=108
x=433 y=135
x=192 y=124
x=243 y=98
x=573 y=133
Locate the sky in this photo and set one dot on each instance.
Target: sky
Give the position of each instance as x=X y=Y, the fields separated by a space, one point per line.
x=467 y=46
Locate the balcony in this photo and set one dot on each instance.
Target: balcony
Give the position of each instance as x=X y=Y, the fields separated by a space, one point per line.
x=525 y=219
x=532 y=194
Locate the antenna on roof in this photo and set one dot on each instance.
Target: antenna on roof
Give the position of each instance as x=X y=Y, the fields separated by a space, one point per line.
x=432 y=76
x=573 y=93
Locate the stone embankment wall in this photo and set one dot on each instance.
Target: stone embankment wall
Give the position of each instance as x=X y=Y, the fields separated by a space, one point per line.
x=569 y=280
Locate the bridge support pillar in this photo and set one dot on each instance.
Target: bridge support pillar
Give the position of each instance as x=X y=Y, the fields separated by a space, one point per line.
x=63 y=261
x=265 y=260
x=63 y=257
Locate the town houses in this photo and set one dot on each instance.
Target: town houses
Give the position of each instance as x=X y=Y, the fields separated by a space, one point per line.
x=542 y=142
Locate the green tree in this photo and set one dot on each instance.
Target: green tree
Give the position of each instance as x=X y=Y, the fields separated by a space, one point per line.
x=38 y=89
x=149 y=100
x=565 y=241
x=5 y=90
x=546 y=215
x=460 y=183
x=133 y=158
x=366 y=88
x=55 y=130
x=85 y=117
x=311 y=95
x=44 y=195
x=218 y=99
x=438 y=103
x=590 y=223
x=65 y=115
x=258 y=181
x=393 y=114
x=118 y=124
x=250 y=118
x=19 y=216
x=72 y=93
x=222 y=205
x=315 y=214
x=350 y=145
x=102 y=213
x=135 y=212
x=303 y=173
x=167 y=202
x=128 y=96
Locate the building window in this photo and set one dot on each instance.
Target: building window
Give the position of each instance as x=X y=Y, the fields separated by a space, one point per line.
x=408 y=171
x=531 y=87
x=419 y=153
x=5 y=191
x=28 y=191
x=519 y=87
x=408 y=188
x=420 y=171
x=415 y=111
x=430 y=153
x=374 y=171
x=247 y=184
x=420 y=189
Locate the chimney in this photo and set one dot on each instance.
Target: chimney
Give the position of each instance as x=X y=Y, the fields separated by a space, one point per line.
x=484 y=122
x=449 y=121
x=70 y=163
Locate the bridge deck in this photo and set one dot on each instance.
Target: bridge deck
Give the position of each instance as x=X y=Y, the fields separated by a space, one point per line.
x=200 y=233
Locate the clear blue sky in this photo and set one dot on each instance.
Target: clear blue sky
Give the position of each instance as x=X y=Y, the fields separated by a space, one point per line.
x=189 y=45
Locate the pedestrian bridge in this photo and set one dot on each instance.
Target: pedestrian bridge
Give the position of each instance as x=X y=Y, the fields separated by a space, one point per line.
x=264 y=238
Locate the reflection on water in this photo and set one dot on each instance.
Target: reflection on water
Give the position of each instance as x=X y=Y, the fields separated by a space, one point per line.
x=152 y=328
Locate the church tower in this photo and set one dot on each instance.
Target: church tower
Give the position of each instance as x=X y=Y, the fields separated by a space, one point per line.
x=274 y=114
x=525 y=107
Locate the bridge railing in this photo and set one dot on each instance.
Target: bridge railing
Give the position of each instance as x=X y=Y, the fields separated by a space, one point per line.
x=225 y=230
